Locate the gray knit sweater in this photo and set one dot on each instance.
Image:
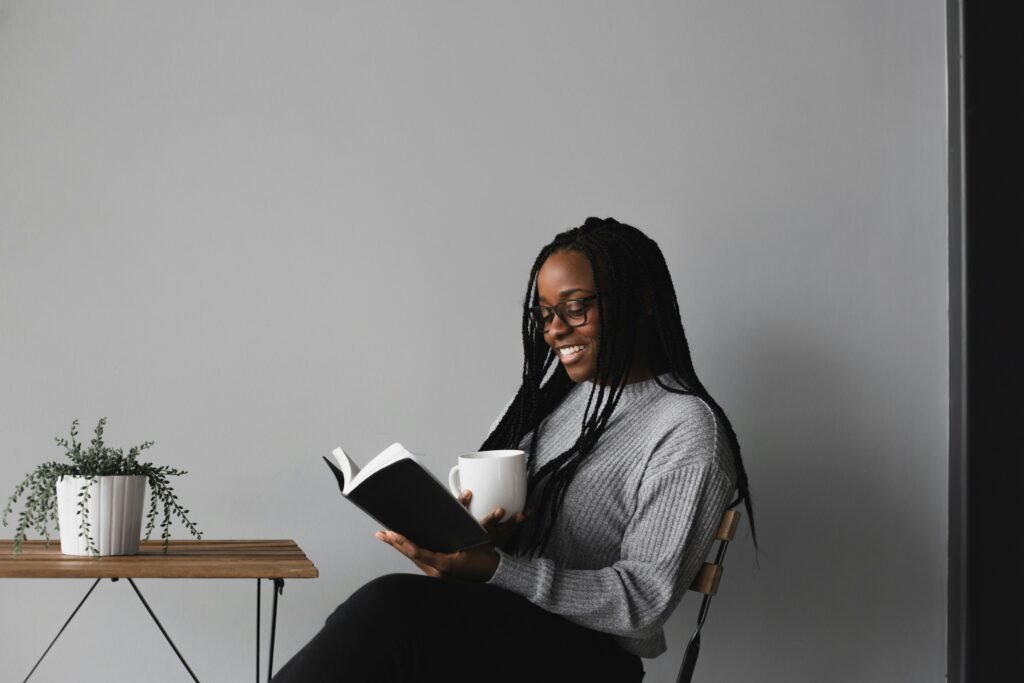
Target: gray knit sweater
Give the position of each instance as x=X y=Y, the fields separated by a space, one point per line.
x=638 y=518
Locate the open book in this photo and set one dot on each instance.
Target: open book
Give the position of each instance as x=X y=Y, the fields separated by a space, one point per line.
x=403 y=496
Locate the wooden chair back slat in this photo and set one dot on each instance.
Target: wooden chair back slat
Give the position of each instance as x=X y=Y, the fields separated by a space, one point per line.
x=727 y=529
x=707 y=579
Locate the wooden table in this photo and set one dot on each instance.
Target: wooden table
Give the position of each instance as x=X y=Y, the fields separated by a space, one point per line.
x=275 y=560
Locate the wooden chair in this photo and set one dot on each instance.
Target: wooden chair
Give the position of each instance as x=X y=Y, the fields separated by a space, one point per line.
x=706 y=583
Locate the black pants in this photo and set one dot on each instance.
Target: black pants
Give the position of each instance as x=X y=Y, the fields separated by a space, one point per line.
x=408 y=627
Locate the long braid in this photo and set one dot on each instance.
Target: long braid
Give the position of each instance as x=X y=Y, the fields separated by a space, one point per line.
x=628 y=266
x=673 y=338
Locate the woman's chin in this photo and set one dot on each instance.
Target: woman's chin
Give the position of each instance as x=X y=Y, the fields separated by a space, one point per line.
x=579 y=374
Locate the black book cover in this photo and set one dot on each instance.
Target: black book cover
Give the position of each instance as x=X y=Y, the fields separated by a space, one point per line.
x=403 y=497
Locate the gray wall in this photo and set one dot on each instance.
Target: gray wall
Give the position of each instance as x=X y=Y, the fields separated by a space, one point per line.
x=254 y=232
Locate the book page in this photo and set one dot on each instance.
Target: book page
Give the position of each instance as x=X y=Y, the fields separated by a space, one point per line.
x=389 y=455
x=348 y=468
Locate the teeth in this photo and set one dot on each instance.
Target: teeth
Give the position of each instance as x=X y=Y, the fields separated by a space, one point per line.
x=569 y=350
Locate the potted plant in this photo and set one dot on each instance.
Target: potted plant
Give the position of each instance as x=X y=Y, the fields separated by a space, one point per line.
x=95 y=500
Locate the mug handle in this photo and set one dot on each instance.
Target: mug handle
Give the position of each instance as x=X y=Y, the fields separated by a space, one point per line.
x=454 y=482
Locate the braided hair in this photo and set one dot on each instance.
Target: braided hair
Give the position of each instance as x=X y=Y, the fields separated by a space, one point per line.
x=636 y=291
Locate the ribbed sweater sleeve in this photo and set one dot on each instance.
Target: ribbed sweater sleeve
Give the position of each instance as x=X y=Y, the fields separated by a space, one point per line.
x=638 y=519
x=663 y=548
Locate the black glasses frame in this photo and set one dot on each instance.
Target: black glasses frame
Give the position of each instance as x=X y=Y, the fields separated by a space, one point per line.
x=560 y=309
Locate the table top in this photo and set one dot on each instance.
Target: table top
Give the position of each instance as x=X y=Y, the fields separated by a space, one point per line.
x=185 y=559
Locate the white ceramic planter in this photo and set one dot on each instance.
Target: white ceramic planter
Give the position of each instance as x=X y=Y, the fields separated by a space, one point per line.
x=115 y=514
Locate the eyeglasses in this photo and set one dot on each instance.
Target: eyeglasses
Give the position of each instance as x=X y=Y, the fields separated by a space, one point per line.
x=572 y=312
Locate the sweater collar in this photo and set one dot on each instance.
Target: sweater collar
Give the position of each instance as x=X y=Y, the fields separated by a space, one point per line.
x=638 y=390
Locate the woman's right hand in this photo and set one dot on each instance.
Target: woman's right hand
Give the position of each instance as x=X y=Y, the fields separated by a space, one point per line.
x=498 y=531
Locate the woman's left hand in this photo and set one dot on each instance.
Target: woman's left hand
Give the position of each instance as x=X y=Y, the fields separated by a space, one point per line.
x=475 y=564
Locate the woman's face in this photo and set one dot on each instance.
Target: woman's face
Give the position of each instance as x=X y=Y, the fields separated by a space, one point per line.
x=567 y=275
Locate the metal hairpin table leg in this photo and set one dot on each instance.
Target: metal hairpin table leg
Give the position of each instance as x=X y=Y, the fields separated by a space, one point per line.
x=278 y=589
x=162 y=630
x=95 y=583
x=258 y=586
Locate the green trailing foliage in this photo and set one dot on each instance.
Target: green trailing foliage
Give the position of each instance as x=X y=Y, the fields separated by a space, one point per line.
x=96 y=459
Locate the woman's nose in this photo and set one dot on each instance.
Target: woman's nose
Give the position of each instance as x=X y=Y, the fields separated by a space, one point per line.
x=557 y=327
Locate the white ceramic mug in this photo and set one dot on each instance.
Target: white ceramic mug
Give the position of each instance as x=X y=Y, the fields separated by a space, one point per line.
x=496 y=478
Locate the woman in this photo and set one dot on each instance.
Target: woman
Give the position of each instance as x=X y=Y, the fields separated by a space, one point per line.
x=631 y=465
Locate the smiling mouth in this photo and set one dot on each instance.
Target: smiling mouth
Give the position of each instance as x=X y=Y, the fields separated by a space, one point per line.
x=570 y=353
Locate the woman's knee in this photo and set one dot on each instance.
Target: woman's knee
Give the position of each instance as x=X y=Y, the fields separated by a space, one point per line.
x=384 y=599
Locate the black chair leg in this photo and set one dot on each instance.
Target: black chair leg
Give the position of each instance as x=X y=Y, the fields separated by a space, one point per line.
x=689 y=660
